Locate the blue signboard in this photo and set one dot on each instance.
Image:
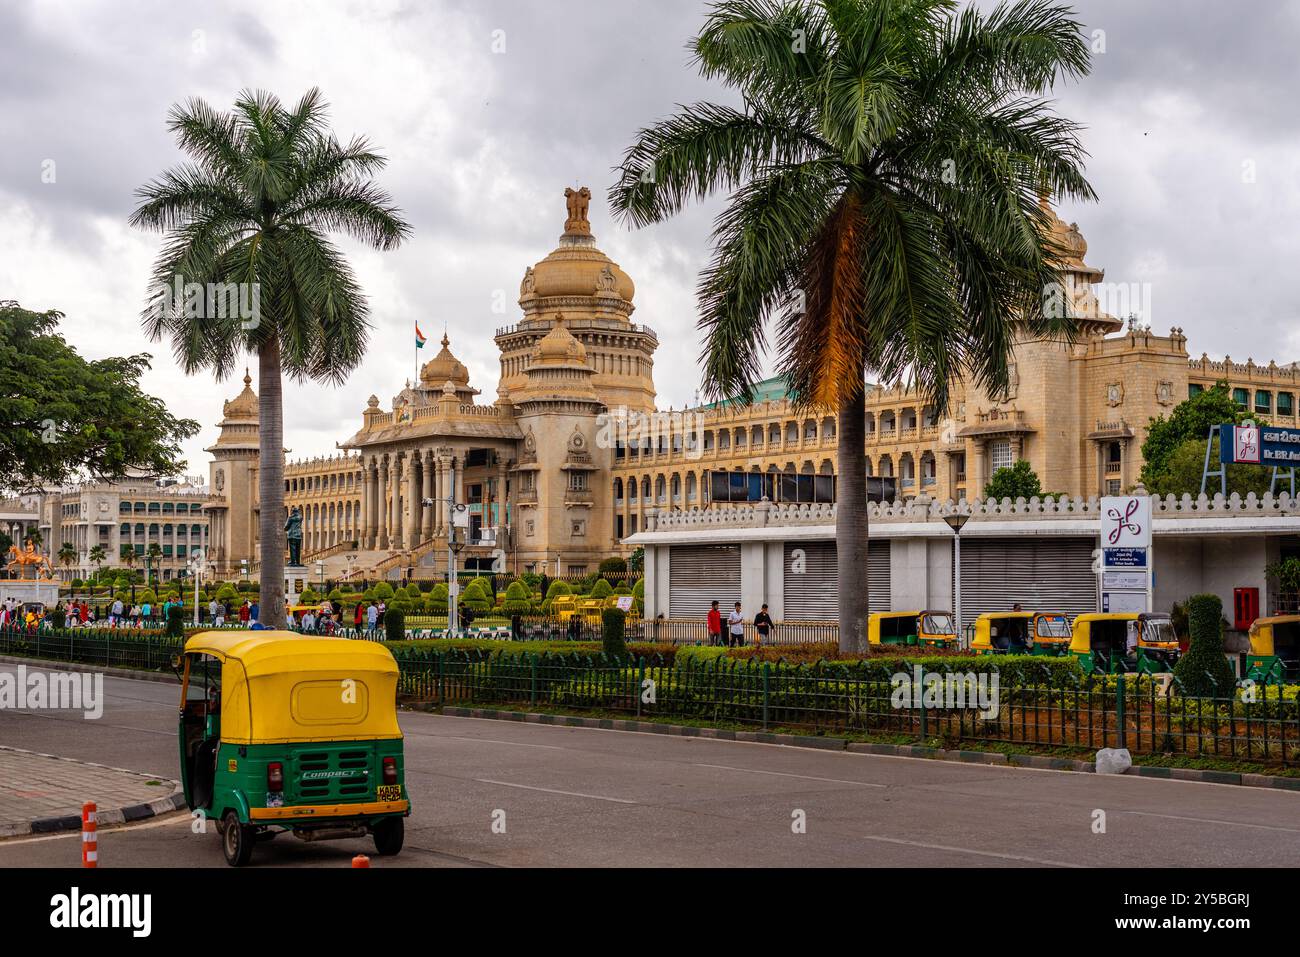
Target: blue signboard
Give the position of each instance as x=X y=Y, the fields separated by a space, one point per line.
x=1124 y=557
x=1259 y=445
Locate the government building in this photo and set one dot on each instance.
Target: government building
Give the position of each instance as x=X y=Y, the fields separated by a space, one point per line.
x=554 y=473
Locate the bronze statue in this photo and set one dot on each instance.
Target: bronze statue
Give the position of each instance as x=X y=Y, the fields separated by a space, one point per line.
x=577 y=201
x=293 y=535
x=29 y=558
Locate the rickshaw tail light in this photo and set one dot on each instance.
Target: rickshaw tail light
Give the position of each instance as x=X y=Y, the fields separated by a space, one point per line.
x=275 y=776
x=390 y=770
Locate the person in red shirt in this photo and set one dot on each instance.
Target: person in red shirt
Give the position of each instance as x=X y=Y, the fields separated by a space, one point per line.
x=715 y=625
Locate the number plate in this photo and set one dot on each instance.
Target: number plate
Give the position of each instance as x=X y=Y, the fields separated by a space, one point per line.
x=389 y=792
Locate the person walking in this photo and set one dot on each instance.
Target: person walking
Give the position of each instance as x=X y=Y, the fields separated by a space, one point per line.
x=253 y=612
x=115 y=613
x=372 y=619
x=715 y=625
x=359 y=615
x=763 y=626
x=735 y=628
x=215 y=611
x=243 y=613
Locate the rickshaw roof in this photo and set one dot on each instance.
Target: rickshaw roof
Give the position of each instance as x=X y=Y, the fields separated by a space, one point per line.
x=909 y=614
x=1009 y=614
x=1277 y=620
x=1108 y=616
x=271 y=652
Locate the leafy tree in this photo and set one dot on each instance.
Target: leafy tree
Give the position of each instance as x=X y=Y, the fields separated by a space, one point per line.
x=98 y=556
x=67 y=554
x=885 y=174
x=254 y=212
x=154 y=554
x=1173 y=451
x=636 y=561
x=64 y=417
x=1020 y=480
x=613 y=568
x=128 y=556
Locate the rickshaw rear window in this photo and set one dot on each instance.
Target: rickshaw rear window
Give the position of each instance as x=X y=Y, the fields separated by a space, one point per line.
x=330 y=701
x=938 y=625
x=1054 y=626
x=205 y=677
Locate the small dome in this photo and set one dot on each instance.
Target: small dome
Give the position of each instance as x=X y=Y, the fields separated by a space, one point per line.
x=244 y=405
x=444 y=367
x=1070 y=243
x=559 y=345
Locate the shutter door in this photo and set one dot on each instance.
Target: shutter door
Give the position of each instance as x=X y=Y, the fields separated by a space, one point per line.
x=700 y=574
x=1042 y=574
x=814 y=594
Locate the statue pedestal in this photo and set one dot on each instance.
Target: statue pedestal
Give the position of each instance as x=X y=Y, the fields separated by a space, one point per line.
x=45 y=592
x=295 y=581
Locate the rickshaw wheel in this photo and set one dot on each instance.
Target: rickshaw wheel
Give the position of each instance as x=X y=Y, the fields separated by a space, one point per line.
x=236 y=840
x=389 y=835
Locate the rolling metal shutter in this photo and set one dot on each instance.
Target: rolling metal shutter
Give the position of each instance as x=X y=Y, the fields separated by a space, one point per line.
x=1042 y=574
x=700 y=574
x=814 y=594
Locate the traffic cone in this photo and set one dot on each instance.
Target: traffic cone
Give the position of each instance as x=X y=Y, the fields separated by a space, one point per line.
x=89 y=836
x=361 y=861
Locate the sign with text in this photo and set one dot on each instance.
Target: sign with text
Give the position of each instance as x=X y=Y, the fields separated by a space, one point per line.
x=1124 y=558
x=1259 y=445
x=1124 y=581
x=1125 y=553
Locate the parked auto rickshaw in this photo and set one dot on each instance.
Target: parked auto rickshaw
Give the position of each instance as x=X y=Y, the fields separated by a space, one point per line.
x=279 y=732
x=1021 y=633
x=1100 y=642
x=926 y=628
x=1274 y=649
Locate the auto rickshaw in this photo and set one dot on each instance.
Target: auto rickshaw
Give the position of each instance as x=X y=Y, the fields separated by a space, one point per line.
x=931 y=628
x=280 y=732
x=1274 y=649
x=1021 y=633
x=1100 y=642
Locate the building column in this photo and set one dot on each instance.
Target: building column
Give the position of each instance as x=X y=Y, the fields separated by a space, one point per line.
x=502 y=498
x=440 y=514
x=363 y=533
x=975 y=471
x=427 y=512
x=395 y=503
x=411 y=533
x=381 y=504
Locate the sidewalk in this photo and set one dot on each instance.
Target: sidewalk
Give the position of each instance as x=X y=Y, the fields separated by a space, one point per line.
x=42 y=793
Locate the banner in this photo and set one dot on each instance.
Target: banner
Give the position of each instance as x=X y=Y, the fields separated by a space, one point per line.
x=1259 y=445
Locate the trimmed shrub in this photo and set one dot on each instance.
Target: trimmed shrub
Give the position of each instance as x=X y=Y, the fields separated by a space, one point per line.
x=638 y=589
x=518 y=601
x=1204 y=671
x=613 y=567
x=394 y=624
x=308 y=596
x=601 y=589
x=146 y=596
x=558 y=588
x=611 y=631
x=175 y=622
x=383 y=592
x=227 y=593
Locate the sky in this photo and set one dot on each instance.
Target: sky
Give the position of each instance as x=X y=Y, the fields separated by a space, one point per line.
x=488 y=109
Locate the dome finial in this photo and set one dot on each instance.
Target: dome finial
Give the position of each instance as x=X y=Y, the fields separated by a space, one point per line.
x=577 y=201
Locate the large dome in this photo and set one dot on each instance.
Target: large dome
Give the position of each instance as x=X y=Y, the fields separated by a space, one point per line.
x=578 y=268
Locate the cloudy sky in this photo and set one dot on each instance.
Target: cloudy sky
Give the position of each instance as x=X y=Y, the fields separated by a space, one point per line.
x=487 y=109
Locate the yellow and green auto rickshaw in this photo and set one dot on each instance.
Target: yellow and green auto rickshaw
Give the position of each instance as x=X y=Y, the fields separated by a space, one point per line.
x=934 y=629
x=1274 y=649
x=1101 y=642
x=280 y=732
x=1021 y=633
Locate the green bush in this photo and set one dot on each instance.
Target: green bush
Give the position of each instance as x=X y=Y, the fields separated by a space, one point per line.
x=638 y=589
x=518 y=601
x=557 y=589
x=227 y=593
x=474 y=596
x=614 y=567
x=58 y=617
x=1204 y=671
x=147 y=595
x=394 y=624
x=308 y=596
x=335 y=594
x=412 y=591
x=383 y=592
x=601 y=589
x=175 y=622
x=611 y=630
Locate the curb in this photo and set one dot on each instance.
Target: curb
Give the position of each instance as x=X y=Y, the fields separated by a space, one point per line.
x=107 y=816
x=82 y=667
x=1037 y=761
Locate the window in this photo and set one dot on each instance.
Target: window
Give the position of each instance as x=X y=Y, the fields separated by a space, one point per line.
x=577 y=571
x=1241 y=397
x=1000 y=454
x=1112 y=487
x=1194 y=389
x=577 y=481
x=1285 y=403
x=1263 y=401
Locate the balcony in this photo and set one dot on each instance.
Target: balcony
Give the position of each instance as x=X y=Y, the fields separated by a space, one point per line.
x=524 y=496
x=578 y=496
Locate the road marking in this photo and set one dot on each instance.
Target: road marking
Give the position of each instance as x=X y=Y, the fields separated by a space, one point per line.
x=578 y=794
x=517 y=744
x=967 y=850
x=786 y=774
x=1209 y=820
x=162 y=820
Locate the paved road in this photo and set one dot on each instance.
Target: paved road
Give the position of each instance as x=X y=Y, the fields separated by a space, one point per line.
x=571 y=796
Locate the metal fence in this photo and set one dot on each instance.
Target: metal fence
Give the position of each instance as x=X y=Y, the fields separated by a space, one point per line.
x=110 y=647
x=695 y=631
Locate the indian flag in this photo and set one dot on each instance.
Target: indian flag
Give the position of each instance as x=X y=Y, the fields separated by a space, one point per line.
x=420 y=337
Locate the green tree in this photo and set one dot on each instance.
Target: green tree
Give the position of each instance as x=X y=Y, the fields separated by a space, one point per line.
x=1173 y=451
x=254 y=212
x=98 y=555
x=62 y=416
x=67 y=555
x=128 y=556
x=154 y=554
x=1204 y=670
x=885 y=174
x=1014 y=482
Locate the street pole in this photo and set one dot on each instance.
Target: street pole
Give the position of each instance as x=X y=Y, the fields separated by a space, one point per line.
x=197 y=565
x=453 y=583
x=955 y=521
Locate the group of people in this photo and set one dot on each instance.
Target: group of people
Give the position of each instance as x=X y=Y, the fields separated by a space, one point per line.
x=734 y=637
x=13 y=614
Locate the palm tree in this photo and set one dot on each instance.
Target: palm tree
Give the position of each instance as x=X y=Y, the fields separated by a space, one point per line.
x=67 y=555
x=153 y=554
x=128 y=555
x=97 y=558
x=885 y=171
x=266 y=187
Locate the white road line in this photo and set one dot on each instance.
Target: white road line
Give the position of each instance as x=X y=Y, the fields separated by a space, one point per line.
x=1209 y=820
x=967 y=850
x=578 y=794
x=786 y=774
x=166 y=820
x=517 y=744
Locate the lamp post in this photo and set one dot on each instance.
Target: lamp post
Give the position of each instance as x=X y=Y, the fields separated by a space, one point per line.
x=196 y=565
x=955 y=521
x=320 y=575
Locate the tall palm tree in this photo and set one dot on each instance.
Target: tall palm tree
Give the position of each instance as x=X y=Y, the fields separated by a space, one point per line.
x=67 y=555
x=97 y=558
x=266 y=187
x=885 y=172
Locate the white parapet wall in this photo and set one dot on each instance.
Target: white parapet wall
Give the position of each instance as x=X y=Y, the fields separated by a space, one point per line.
x=1203 y=544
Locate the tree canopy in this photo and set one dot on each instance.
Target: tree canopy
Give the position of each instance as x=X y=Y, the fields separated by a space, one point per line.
x=1174 y=448
x=63 y=417
x=1018 y=481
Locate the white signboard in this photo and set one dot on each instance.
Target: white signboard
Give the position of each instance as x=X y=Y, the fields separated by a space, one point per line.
x=460 y=516
x=1245 y=444
x=1121 y=602
x=1123 y=581
x=1126 y=521
x=625 y=602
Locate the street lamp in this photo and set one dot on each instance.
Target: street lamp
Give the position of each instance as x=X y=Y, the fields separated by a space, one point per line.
x=196 y=565
x=320 y=575
x=955 y=521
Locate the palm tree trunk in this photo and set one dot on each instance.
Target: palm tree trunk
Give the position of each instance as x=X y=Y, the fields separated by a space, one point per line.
x=270 y=486
x=851 y=523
